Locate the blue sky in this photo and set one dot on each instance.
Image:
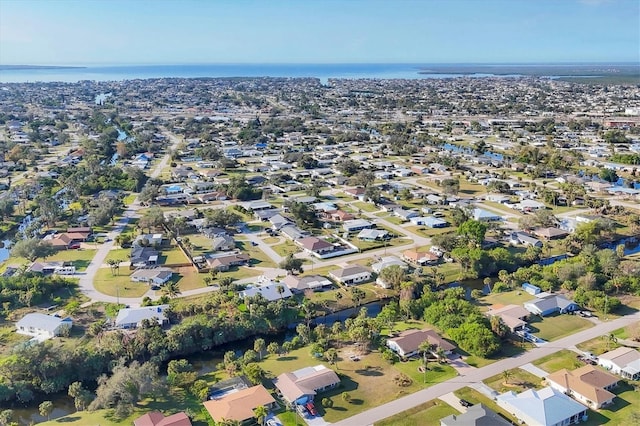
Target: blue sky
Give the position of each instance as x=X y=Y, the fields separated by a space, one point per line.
x=318 y=31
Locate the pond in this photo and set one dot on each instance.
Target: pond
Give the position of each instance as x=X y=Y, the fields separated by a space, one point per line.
x=4 y=250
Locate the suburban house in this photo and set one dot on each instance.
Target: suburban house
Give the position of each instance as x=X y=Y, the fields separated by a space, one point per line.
x=430 y=221
x=513 y=316
x=143 y=256
x=268 y=289
x=157 y=276
x=550 y=233
x=153 y=240
x=622 y=361
x=301 y=386
x=356 y=225
x=477 y=415
x=405 y=214
x=239 y=405
x=485 y=216
x=354 y=274
x=314 y=245
x=372 y=234
x=67 y=240
x=42 y=326
x=408 y=342
x=545 y=407
x=223 y=243
x=524 y=239
x=547 y=304
x=589 y=385
x=420 y=258
x=156 y=418
x=386 y=262
x=224 y=263
x=133 y=317
x=299 y=284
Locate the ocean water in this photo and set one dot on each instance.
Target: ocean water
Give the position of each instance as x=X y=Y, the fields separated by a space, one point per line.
x=130 y=72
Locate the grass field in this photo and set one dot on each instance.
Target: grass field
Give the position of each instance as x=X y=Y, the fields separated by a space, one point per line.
x=80 y=258
x=172 y=256
x=557 y=326
x=427 y=414
x=625 y=409
x=515 y=297
x=119 y=285
x=598 y=345
x=559 y=360
x=118 y=254
x=258 y=257
x=286 y=248
x=365 y=207
x=519 y=381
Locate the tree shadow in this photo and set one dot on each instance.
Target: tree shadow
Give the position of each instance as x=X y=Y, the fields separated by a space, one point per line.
x=287 y=358
x=369 y=372
x=67 y=419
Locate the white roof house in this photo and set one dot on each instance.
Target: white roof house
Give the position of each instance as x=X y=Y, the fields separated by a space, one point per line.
x=298 y=283
x=352 y=274
x=372 y=234
x=268 y=289
x=544 y=407
x=42 y=326
x=156 y=276
x=356 y=225
x=622 y=361
x=133 y=317
x=387 y=261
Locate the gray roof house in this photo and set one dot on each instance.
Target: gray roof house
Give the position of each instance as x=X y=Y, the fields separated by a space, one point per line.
x=42 y=326
x=133 y=317
x=223 y=243
x=298 y=284
x=547 y=304
x=544 y=407
x=156 y=276
x=353 y=274
x=477 y=415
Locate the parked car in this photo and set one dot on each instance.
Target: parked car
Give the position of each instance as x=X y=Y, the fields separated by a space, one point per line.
x=272 y=422
x=465 y=403
x=311 y=408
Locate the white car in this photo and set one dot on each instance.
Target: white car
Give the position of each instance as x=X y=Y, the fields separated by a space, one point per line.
x=272 y=422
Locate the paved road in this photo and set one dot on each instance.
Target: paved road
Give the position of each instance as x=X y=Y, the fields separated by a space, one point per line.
x=86 y=279
x=476 y=376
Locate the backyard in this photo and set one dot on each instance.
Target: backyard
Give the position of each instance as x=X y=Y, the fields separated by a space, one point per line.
x=555 y=327
x=427 y=414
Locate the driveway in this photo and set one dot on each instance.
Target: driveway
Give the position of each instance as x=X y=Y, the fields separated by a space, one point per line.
x=534 y=370
x=453 y=401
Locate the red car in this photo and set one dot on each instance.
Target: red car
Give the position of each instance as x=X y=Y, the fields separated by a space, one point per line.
x=311 y=408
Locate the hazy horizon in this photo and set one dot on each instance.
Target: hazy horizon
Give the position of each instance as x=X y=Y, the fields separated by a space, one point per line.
x=190 y=32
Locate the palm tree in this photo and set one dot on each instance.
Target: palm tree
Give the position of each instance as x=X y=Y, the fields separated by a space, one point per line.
x=261 y=414
x=171 y=289
x=507 y=375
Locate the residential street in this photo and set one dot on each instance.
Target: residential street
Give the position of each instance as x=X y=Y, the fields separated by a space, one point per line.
x=476 y=376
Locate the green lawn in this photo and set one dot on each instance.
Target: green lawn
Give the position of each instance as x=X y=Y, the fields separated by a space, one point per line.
x=240 y=272
x=258 y=257
x=80 y=258
x=623 y=411
x=118 y=285
x=514 y=297
x=286 y=248
x=425 y=231
x=129 y=199
x=557 y=326
x=427 y=414
x=475 y=397
x=598 y=345
x=201 y=244
x=188 y=279
x=559 y=360
x=519 y=381
x=365 y=207
x=172 y=256
x=118 y=254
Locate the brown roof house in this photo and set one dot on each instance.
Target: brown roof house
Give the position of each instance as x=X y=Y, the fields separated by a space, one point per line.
x=302 y=385
x=314 y=245
x=513 y=316
x=239 y=405
x=587 y=384
x=156 y=418
x=408 y=342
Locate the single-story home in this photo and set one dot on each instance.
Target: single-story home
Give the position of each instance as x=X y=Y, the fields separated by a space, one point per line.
x=133 y=317
x=408 y=342
x=387 y=261
x=353 y=274
x=223 y=243
x=476 y=415
x=622 y=361
x=314 y=245
x=301 y=386
x=297 y=283
x=513 y=316
x=550 y=233
x=223 y=263
x=547 y=304
x=239 y=405
x=524 y=239
x=420 y=258
x=157 y=276
x=372 y=234
x=430 y=221
x=356 y=225
x=143 y=256
x=545 y=407
x=485 y=215
x=589 y=385
x=405 y=214
x=268 y=289
x=42 y=326
x=156 y=418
